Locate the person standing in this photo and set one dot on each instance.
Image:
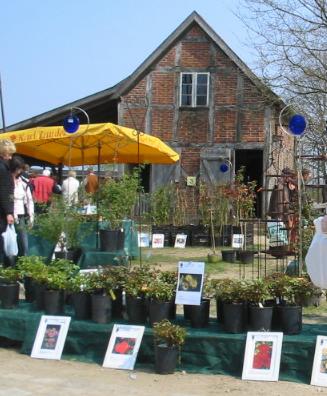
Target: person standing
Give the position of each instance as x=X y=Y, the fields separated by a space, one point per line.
x=7 y=149
x=43 y=190
x=70 y=188
x=91 y=182
x=23 y=205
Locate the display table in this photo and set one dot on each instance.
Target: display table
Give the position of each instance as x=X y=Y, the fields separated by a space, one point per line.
x=208 y=350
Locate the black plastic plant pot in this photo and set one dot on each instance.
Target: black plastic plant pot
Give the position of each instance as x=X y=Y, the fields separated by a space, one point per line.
x=9 y=295
x=29 y=288
x=290 y=317
x=54 y=302
x=260 y=318
x=234 y=317
x=111 y=240
x=228 y=255
x=39 y=289
x=117 y=304
x=82 y=305
x=246 y=256
x=219 y=310
x=136 y=309
x=187 y=312
x=72 y=255
x=199 y=314
x=158 y=310
x=101 y=308
x=166 y=359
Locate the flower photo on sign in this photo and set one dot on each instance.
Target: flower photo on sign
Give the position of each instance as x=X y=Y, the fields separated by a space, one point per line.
x=124 y=346
x=323 y=361
x=262 y=355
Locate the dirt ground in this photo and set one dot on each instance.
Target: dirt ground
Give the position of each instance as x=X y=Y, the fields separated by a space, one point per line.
x=21 y=375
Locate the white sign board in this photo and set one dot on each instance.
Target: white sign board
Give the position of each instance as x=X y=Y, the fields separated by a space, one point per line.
x=123 y=347
x=180 y=241
x=262 y=356
x=143 y=239
x=158 y=241
x=319 y=369
x=238 y=241
x=190 y=282
x=50 y=337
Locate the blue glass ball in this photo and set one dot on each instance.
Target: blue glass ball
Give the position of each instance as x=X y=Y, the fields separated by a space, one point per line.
x=71 y=124
x=224 y=168
x=297 y=124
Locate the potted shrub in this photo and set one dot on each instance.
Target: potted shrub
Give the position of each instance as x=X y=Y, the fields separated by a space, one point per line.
x=285 y=290
x=234 y=306
x=160 y=294
x=29 y=267
x=80 y=290
x=61 y=225
x=116 y=198
x=9 y=287
x=260 y=314
x=55 y=285
x=218 y=287
x=199 y=314
x=171 y=278
x=168 y=341
x=137 y=284
x=118 y=274
x=102 y=287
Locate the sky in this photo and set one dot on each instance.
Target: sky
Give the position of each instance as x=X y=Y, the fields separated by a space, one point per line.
x=54 y=52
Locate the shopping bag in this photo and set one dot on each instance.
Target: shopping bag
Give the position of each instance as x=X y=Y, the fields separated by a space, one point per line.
x=10 y=246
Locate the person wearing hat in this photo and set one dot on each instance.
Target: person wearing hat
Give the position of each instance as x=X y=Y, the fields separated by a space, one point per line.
x=43 y=190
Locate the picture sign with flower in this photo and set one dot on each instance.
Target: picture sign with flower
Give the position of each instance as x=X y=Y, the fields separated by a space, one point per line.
x=123 y=347
x=262 y=356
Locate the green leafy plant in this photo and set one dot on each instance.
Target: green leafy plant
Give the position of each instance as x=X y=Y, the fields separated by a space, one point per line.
x=169 y=334
x=61 y=223
x=56 y=279
x=231 y=291
x=160 y=290
x=161 y=202
x=79 y=283
x=29 y=266
x=257 y=291
x=117 y=198
x=139 y=279
x=9 y=275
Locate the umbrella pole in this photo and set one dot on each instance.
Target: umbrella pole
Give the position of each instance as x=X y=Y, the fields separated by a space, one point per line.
x=97 y=197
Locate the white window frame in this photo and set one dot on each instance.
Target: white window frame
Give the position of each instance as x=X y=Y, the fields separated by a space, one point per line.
x=194 y=89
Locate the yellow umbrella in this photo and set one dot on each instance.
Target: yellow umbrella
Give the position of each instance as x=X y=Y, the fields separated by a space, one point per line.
x=90 y=145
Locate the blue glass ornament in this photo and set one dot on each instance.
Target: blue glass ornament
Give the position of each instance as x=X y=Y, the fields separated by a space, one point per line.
x=224 y=168
x=71 y=124
x=297 y=124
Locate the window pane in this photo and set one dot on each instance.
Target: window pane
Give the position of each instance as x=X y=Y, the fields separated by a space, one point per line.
x=187 y=78
x=202 y=90
x=186 y=89
x=186 y=100
x=201 y=100
x=202 y=79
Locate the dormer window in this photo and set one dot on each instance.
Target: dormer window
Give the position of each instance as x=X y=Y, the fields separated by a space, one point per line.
x=194 y=89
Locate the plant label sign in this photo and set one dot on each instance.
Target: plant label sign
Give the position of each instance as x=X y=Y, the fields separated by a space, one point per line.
x=190 y=282
x=50 y=337
x=262 y=356
x=158 y=241
x=123 y=347
x=180 y=241
x=143 y=239
x=238 y=241
x=319 y=369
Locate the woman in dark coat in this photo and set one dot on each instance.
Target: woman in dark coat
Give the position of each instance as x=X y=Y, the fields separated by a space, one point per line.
x=7 y=149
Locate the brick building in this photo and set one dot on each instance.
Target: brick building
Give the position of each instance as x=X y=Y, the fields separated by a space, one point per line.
x=197 y=95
